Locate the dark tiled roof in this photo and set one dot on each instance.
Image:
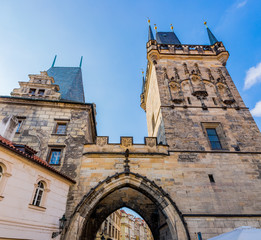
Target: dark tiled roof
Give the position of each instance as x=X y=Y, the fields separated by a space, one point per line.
x=167 y=38
x=211 y=36
x=70 y=82
x=8 y=144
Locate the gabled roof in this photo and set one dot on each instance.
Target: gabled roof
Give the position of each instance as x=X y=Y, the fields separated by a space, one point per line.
x=167 y=38
x=11 y=146
x=70 y=82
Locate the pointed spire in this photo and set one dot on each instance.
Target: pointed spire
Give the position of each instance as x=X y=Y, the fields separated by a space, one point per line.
x=212 y=38
x=81 y=62
x=151 y=37
x=54 y=60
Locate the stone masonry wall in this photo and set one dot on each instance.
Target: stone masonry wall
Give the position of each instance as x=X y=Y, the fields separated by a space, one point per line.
x=185 y=177
x=39 y=119
x=183 y=121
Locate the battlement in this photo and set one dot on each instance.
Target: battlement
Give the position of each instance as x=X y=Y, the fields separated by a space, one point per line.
x=186 y=49
x=102 y=146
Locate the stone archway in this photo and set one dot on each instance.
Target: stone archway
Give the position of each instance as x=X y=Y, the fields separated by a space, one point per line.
x=127 y=190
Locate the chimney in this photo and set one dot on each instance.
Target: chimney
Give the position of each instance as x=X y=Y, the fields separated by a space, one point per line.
x=8 y=127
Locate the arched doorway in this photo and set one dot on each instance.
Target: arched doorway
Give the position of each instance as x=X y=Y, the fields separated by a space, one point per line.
x=127 y=190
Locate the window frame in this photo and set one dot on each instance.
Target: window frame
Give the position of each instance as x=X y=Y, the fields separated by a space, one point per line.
x=215 y=144
x=39 y=191
x=51 y=150
x=20 y=119
x=220 y=134
x=6 y=173
x=34 y=93
x=42 y=205
x=60 y=122
x=57 y=127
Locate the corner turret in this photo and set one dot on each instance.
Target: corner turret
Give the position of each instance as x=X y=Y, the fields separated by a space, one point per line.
x=212 y=38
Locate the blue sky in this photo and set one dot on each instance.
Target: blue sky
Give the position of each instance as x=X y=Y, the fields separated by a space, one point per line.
x=111 y=36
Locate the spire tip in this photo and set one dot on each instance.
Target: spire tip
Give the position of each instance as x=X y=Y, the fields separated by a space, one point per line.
x=54 y=60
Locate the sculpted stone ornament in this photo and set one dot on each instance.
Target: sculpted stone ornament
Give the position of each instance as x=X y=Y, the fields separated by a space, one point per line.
x=210 y=76
x=198 y=86
x=126 y=141
x=40 y=86
x=225 y=94
x=151 y=141
x=185 y=68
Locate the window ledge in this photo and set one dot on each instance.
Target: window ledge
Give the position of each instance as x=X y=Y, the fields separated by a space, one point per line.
x=1 y=198
x=38 y=208
x=56 y=134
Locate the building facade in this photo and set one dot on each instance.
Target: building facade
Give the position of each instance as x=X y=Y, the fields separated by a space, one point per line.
x=196 y=175
x=111 y=227
x=33 y=195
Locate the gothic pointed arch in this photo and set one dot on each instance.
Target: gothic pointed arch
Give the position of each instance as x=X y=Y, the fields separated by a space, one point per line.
x=131 y=190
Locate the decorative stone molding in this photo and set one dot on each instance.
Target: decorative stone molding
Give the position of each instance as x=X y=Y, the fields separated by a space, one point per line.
x=126 y=141
x=40 y=86
x=7 y=170
x=151 y=141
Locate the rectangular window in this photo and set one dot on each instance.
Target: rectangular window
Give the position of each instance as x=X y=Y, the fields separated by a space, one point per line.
x=20 y=123
x=55 y=156
x=211 y=178
x=19 y=126
x=213 y=138
x=32 y=91
x=41 y=92
x=60 y=128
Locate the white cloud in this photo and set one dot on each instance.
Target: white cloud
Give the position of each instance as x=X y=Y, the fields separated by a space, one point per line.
x=241 y=4
x=256 y=111
x=253 y=76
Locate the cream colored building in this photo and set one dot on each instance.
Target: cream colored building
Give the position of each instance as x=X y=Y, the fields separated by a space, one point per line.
x=111 y=227
x=134 y=228
x=33 y=195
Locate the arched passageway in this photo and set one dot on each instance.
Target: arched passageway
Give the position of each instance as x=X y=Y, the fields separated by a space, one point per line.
x=127 y=190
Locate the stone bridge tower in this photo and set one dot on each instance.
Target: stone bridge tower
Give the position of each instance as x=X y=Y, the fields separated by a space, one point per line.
x=198 y=173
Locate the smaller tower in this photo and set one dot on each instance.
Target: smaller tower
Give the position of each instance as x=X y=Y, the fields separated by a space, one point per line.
x=211 y=36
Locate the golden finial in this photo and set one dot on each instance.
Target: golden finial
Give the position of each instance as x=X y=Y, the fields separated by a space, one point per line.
x=171 y=27
x=205 y=23
x=148 y=21
x=155 y=27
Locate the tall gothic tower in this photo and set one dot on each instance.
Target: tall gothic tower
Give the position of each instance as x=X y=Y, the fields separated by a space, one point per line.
x=190 y=100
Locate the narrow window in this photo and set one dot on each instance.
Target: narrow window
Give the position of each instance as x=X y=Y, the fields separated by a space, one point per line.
x=199 y=236
x=41 y=92
x=55 y=156
x=32 y=91
x=20 y=122
x=105 y=227
x=211 y=178
x=60 y=128
x=213 y=138
x=214 y=101
x=189 y=101
x=1 y=173
x=109 y=230
x=38 y=194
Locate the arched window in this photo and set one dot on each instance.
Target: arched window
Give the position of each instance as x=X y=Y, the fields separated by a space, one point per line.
x=38 y=194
